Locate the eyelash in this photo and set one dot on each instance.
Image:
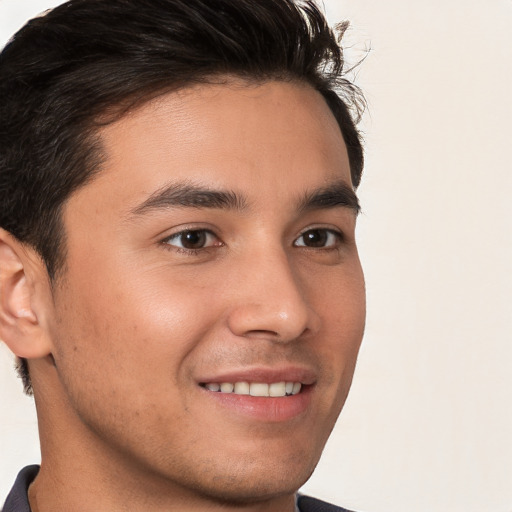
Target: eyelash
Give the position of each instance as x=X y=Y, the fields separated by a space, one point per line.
x=190 y=250
x=338 y=238
x=337 y=235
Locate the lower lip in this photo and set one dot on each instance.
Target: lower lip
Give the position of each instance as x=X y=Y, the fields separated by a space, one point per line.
x=268 y=409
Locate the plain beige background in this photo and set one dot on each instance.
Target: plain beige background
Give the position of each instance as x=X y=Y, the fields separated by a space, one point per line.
x=428 y=424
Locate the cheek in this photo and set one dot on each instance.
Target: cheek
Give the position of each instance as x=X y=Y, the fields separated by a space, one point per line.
x=341 y=300
x=132 y=323
x=124 y=349
x=343 y=318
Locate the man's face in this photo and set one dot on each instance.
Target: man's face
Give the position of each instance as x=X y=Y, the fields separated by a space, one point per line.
x=215 y=247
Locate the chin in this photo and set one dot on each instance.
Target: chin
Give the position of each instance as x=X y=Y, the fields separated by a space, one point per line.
x=247 y=482
x=239 y=491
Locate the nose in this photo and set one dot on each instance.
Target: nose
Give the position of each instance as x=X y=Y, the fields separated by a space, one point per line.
x=272 y=302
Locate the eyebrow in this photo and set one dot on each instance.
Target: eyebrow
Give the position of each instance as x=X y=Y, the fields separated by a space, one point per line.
x=332 y=196
x=191 y=196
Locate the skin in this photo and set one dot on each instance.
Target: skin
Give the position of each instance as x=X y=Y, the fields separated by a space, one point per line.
x=119 y=345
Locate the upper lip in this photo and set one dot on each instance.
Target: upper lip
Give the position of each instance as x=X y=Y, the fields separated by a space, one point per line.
x=263 y=374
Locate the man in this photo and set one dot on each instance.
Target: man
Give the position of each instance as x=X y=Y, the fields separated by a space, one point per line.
x=178 y=270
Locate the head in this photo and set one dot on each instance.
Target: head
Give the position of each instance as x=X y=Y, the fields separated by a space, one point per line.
x=87 y=62
x=98 y=101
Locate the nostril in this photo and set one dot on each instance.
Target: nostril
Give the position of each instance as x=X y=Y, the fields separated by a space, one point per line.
x=263 y=333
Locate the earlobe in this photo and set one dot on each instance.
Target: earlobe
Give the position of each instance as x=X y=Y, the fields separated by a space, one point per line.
x=20 y=326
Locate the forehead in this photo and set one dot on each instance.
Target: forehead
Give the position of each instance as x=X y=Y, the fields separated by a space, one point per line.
x=279 y=135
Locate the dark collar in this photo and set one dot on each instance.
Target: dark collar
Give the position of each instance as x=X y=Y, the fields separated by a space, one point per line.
x=17 y=501
x=308 y=504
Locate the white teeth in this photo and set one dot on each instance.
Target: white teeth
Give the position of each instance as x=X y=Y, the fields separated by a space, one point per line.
x=242 y=388
x=275 y=389
x=259 y=389
x=227 y=387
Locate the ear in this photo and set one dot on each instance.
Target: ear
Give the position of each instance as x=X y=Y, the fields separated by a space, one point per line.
x=23 y=285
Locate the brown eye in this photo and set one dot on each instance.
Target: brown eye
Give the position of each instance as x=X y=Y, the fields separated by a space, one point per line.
x=193 y=239
x=318 y=238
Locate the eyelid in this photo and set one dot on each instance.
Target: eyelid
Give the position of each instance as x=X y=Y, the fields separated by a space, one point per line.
x=177 y=234
x=337 y=233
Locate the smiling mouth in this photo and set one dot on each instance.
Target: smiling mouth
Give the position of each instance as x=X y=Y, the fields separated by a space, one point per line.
x=274 y=389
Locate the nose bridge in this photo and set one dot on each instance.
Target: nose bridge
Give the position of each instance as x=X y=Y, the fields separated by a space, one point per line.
x=272 y=301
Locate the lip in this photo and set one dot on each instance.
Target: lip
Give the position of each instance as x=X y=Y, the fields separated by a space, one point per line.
x=262 y=409
x=260 y=374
